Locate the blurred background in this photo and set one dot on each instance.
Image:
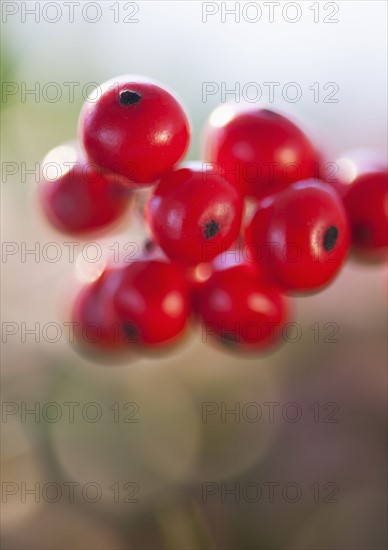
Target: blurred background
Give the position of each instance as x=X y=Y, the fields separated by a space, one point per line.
x=201 y=447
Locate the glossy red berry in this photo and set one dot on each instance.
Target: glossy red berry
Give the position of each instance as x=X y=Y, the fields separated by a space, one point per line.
x=96 y=324
x=194 y=215
x=345 y=169
x=259 y=150
x=135 y=128
x=236 y=256
x=238 y=310
x=152 y=302
x=80 y=198
x=366 y=203
x=300 y=235
x=360 y=177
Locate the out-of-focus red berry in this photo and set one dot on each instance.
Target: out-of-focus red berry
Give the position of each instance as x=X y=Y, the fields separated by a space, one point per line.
x=239 y=310
x=152 y=302
x=76 y=196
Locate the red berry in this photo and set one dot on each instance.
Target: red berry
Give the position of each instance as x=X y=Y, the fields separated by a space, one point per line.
x=300 y=235
x=341 y=173
x=152 y=302
x=360 y=178
x=135 y=128
x=366 y=203
x=194 y=215
x=82 y=199
x=96 y=322
x=259 y=150
x=239 y=310
x=234 y=257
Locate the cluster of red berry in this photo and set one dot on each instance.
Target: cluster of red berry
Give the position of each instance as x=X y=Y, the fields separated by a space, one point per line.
x=232 y=236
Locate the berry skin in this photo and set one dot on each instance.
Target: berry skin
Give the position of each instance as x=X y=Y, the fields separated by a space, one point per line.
x=239 y=310
x=366 y=204
x=194 y=215
x=361 y=180
x=300 y=236
x=258 y=150
x=96 y=322
x=152 y=302
x=82 y=199
x=351 y=164
x=136 y=128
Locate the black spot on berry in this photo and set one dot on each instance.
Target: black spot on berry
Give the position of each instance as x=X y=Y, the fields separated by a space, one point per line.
x=229 y=339
x=149 y=245
x=269 y=113
x=330 y=238
x=211 y=229
x=362 y=233
x=131 y=332
x=127 y=97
